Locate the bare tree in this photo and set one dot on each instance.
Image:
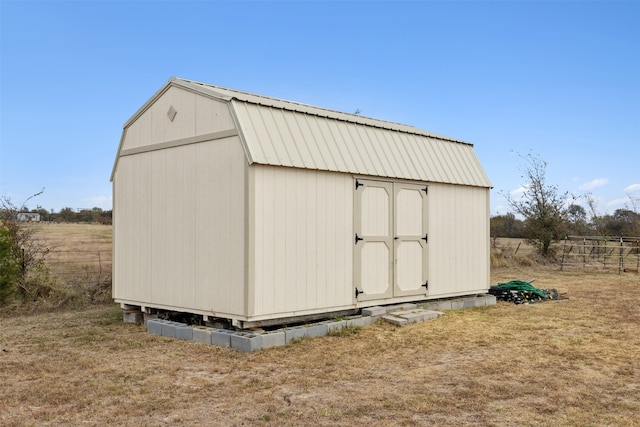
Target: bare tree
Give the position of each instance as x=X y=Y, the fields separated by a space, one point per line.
x=542 y=206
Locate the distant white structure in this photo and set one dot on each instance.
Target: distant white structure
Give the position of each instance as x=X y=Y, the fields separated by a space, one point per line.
x=29 y=217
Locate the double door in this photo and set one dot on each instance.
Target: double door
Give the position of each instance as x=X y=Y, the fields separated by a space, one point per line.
x=391 y=240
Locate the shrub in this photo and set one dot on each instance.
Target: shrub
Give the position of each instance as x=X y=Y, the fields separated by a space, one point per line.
x=8 y=267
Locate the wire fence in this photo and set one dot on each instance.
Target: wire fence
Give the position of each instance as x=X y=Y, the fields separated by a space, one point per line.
x=73 y=266
x=621 y=253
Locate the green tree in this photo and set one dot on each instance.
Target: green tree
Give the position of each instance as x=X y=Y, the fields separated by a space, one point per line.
x=505 y=226
x=542 y=206
x=623 y=222
x=67 y=215
x=578 y=223
x=45 y=215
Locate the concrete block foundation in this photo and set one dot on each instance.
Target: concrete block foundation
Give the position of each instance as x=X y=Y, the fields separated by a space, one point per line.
x=249 y=340
x=246 y=342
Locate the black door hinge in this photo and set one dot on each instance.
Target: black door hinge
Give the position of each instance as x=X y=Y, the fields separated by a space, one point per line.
x=358 y=238
x=425 y=238
x=426 y=190
x=426 y=285
x=358 y=184
x=358 y=292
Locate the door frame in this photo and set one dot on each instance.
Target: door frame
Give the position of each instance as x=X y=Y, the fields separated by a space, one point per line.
x=392 y=240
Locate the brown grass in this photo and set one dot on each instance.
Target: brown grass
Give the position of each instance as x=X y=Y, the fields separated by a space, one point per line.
x=572 y=363
x=76 y=248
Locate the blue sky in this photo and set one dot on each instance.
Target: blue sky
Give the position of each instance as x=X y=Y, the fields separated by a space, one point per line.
x=560 y=79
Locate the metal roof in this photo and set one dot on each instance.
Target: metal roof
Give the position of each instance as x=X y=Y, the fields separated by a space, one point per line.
x=285 y=133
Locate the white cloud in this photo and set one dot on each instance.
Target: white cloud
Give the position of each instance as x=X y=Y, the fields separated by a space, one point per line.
x=518 y=192
x=633 y=188
x=598 y=182
x=614 y=204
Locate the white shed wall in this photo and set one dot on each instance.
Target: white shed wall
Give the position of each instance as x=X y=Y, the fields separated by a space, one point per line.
x=132 y=237
x=180 y=228
x=458 y=240
x=195 y=115
x=301 y=240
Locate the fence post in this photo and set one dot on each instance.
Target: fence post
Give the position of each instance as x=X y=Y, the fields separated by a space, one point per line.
x=621 y=262
x=99 y=268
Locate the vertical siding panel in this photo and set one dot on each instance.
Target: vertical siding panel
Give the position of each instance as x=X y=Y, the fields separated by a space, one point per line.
x=268 y=250
x=302 y=292
x=278 y=195
x=437 y=241
x=158 y=237
x=330 y=228
x=173 y=231
x=312 y=242
x=342 y=278
x=219 y=234
x=188 y=213
x=458 y=240
x=259 y=245
x=133 y=245
x=304 y=240
x=290 y=237
x=348 y=217
x=321 y=239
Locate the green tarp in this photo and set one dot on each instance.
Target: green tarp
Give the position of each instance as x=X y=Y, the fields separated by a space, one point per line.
x=519 y=285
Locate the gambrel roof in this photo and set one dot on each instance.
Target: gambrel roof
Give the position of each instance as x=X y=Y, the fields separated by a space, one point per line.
x=284 y=133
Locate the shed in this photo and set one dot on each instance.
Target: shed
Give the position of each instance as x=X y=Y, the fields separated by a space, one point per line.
x=261 y=210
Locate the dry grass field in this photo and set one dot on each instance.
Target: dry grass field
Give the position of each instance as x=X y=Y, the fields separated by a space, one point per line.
x=572 y=363
x=76 y=249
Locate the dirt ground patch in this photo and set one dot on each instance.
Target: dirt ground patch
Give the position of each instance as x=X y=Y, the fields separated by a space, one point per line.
x=572 y=362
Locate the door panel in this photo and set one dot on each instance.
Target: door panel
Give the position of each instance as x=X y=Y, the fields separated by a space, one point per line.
x=375 y=211
x=375 y=268
x=409 y=267
x=373 y=253
x=409 y=211
x=411 y=257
